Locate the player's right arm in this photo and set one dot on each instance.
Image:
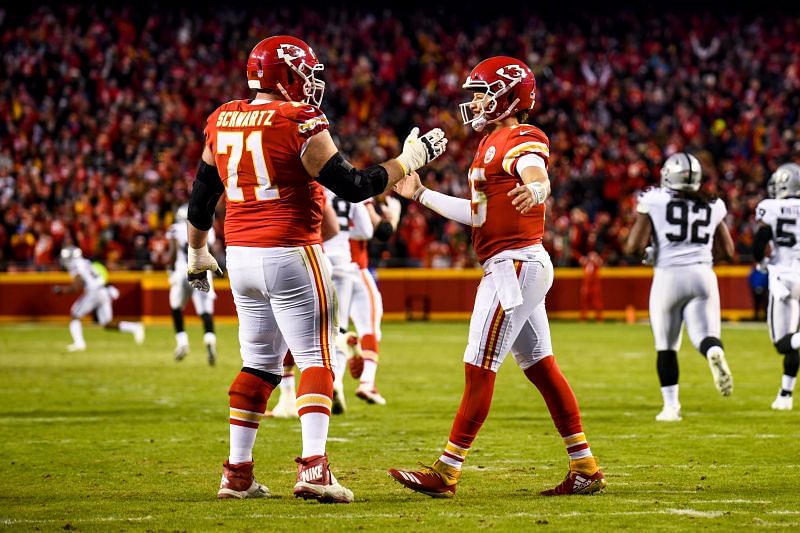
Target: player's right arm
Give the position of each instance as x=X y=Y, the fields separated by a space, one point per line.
x=763 y=234
x=323 y=161
x=642 y=229
x=76 y=286
x=457 y=209
x=330 y=223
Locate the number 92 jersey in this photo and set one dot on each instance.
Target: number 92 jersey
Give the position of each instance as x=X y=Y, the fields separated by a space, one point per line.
x=783 y=218
x=683 y=229
x=270 y=198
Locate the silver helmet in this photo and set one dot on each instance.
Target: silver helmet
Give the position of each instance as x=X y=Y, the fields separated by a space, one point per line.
x=70 y=254
x=182 y=213
x=681 y=172
x=786 y=181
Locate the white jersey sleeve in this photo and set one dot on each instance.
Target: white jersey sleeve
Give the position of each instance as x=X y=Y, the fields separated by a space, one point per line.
x=683 y=229
x=337 y=248
x=783 y=218
x=361 y=228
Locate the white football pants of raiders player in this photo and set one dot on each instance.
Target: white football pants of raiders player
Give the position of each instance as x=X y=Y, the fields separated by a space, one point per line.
x=366 y=308
x=180 y=290
x=284 y=299
x=783 y=311
x=97 y=300
x=684 y=293
x=522 y=329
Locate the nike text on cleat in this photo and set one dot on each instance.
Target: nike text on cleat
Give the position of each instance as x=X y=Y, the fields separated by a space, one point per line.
x=316 y=482
x=782 y=403
x=669 y=414
x=723 y=379
x=370 y=395
x=437 y=481
x=238 y=482
x=212 y=354
x=578 y=483
x=181 y=352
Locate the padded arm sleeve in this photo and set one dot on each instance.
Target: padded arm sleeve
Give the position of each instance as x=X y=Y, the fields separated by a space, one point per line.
x=760 y=241
x=206 y=191
x=350 y=183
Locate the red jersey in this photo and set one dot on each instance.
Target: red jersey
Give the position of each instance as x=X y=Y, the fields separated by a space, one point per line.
x=496 y=224
x=270 y=198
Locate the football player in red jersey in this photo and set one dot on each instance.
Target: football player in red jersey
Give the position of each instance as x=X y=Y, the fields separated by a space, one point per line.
x=507 y=220
x=271 y=156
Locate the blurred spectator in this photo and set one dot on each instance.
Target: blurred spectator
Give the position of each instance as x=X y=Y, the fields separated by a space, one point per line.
x=102 y=111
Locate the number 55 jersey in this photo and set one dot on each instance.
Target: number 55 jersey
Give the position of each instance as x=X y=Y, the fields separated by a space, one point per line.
x=683 y=229
x=783 y=218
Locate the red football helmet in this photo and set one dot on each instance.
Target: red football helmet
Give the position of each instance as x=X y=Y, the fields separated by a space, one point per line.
x=288 y=65
x=499 y=76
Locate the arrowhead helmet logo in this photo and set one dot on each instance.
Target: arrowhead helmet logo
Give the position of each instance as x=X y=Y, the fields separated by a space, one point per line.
x=290 y=51
x=511 y=72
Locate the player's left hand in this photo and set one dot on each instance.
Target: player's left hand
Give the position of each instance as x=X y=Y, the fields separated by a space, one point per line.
x=527 y=196
x=199 y=261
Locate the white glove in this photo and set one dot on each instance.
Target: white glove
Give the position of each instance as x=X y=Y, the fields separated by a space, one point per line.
x=199 y=261
x=419 y=151
x=392 y=210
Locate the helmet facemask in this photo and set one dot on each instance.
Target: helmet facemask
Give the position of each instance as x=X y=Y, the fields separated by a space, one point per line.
x=487 y=106
x=313 y=89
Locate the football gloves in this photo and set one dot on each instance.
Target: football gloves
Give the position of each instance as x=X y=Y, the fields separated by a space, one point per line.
x=419 y=151
x=199 y=261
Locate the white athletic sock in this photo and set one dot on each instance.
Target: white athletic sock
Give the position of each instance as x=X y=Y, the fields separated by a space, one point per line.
x=315 y=433
x=210 y=338
x=76 y=330
x=287 y=385
x=242 y=441
x=788 y=382
x=181 y=338
x=368 y=375
x=339 y=367
x=670 y=395
x=128 y=327
x=795 y=340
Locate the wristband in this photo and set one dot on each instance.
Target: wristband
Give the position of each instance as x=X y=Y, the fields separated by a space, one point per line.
x=418 y=193
x=538 y=191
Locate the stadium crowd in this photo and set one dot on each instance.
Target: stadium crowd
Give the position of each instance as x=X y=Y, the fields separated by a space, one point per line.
x=102 y=113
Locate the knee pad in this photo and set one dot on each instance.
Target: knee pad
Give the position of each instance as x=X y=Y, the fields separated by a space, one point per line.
x=708 y=343
x=784 y=344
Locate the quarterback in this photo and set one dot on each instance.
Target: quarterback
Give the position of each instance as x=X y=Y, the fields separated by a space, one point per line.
x=507 y=220
x=688 y=230
x=779 y=224
x=271 y=156
x=180 y=290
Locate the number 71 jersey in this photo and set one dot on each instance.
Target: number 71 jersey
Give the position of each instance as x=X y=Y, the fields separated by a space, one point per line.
x=270 y=198
x=683 y=229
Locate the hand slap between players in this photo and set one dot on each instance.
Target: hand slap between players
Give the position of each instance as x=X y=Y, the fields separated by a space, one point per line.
x=418 y=150
x=199 y=261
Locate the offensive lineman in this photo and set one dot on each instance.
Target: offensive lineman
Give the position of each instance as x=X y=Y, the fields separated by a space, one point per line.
x=509 y=311
x=688 y=230
x=271 y=156
x=779 y=223
x=180 y=290
x=97 y=298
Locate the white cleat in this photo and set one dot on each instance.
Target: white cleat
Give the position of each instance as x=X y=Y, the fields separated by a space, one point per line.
x=782 y=403
x=370 y=395
x=211 y=350
x=181 y=352
x=348 y=344
x=76 y=347
x=138 y=333
x=723 y=379
x=669 y=414
x=285 y=408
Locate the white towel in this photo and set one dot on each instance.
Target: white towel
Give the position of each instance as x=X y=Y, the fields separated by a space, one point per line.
x=506 y=283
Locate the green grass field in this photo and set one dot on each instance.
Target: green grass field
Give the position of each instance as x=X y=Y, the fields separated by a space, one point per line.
x=122 y=438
